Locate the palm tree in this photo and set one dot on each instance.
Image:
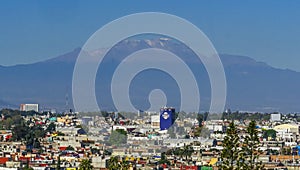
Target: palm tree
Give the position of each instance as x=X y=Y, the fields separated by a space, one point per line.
x=124 y=165
x=85 y=164
x=113 y=163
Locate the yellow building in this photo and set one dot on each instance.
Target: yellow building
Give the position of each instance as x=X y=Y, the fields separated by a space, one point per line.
x=291 y=128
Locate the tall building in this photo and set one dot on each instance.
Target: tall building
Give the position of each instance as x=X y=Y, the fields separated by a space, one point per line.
x=29 y=107
x=167 y=117
x=275 y=117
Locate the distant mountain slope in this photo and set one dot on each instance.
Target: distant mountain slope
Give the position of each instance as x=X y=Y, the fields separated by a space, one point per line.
x=252 y=85
x=4 y=104
x=257 y=86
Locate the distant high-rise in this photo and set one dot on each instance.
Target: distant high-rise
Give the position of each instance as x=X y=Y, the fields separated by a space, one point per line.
x=167 y=117
x=29 y=107
x=275 y=117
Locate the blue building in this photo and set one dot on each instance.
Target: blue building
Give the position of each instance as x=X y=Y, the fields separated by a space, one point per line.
x=167 y=117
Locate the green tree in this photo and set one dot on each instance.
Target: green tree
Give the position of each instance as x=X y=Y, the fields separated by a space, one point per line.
x=200 y=118
x=118 y=137
x=269 y=133
x=164 y=159
x=175 y=151
x=20 y=131
x=8 y=123
x=51 y=128
x=70 y=148
x=27 y=167
x=187 y=151
x=58 y=163
x=85 y=164
x=113 y=163
x=95 y=150
x=204 y=132
x=33 y=134
x=107 y=152
x=288 y=150
x=17 y=119
x=124 y=165
x=231 y=155
x=250 y=148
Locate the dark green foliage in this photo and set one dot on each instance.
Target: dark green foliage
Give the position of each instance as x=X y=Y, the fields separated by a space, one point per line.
x=245 y=155
x=270 y=133
x=70 y=148
x=10 y=118
x=113 y=163
x=85 y=164
x=231 y=155
x=286 y=151
x=246 y=116
x=107 y=152
x=51 y=128
x=202 y=131
x=187 y=151
x=28 y=168
x=58 y=163
x=20 y=131
x=250 y=148
x=118 y=137
x=33 y=134
x=164 y=159
x=95 y=151
x=200 y=119
x=184 y=152
x=60 y=133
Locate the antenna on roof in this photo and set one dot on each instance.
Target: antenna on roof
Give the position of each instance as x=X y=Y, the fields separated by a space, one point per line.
x=67 y=100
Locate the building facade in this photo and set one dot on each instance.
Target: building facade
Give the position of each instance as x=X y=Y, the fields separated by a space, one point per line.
x=29 y=107
x=167 y=117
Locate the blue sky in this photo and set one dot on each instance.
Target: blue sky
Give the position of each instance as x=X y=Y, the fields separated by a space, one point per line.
x=36 y=30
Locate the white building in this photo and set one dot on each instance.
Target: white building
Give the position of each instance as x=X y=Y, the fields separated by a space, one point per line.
x=287 y=132
x=275 y=117
x=214 y=127
x=29 y=107
x=155 y=121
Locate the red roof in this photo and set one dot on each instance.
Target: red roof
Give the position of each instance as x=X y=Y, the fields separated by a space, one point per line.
x=62 y=148
x=189 y=167
x=3 y=160
x=23 y=158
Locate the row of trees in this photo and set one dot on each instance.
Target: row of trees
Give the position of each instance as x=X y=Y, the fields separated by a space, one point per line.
x=238 y=154
x=184 y=152
x=245 y=116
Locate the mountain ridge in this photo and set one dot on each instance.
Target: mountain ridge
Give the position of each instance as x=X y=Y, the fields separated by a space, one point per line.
x=251 y=85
